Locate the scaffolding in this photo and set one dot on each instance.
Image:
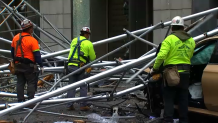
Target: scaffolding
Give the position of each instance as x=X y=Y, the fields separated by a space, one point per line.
x=55 y=92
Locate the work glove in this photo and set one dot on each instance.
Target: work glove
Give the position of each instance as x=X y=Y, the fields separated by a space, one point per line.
x=152 y=71
x=41 y=70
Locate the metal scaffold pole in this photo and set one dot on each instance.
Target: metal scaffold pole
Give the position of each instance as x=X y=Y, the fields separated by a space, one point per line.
x=102 y=75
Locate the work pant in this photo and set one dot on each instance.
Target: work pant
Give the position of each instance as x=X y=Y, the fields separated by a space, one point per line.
x=31 y=78
x=180 y=93
x=74 y=78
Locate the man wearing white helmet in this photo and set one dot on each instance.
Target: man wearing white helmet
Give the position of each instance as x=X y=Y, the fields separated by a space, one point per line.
x=175 y=54
x=25 y=52
x=81 y=53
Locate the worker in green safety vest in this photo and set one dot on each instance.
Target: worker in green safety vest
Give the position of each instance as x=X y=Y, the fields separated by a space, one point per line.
x=81 y=53
x=175 y=54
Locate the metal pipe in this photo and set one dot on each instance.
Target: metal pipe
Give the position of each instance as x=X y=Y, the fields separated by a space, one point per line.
x=46 y=20
x=12 y=35
x=6 y=94
x=85 y=117
x=114 y=51
x=102 y=75
x=11 y=30
x=5 y=51
x=13 y=84
x=133 y=72
x=36 y=27
x=193 y=24
x=134 y=32
x=189 y=17
x=211 y=33
x=12 y=12
x=5 y=40
x=25 y=118
x=209 y=17
x=5 y=7
x=45 y=82
x=142 y=69
x=115 y=87
x=151 y=51
x=205 y=35
x=57 y=57
x=42 y=42
x=118 y=94
x=139 y=38
x=197 y=38
x=8 y=51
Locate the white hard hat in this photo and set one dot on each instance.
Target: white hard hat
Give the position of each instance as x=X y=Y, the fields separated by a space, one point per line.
x=178 y=21
x=26 y=24
x=86 y=29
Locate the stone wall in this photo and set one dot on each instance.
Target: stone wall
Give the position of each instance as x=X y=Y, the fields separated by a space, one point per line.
x=165 y=10
x=58 y=12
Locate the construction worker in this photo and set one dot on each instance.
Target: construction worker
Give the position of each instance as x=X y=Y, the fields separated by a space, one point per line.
x=25 y=53
x=175 y=53
x=81 y=52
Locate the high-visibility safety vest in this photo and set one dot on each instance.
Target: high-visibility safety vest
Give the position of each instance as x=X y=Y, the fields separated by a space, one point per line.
x=81 y=50
x=174 y=51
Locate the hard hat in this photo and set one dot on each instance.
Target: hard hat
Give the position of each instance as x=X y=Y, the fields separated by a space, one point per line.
x=86 y=29
x=26 y=24
x=177 y=21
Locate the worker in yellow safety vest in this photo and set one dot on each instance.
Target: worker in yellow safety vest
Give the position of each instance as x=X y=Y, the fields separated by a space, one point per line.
x=175 y=53
x=81 y=52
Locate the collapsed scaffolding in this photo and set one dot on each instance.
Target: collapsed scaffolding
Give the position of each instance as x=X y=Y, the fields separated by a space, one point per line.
x=57 y=93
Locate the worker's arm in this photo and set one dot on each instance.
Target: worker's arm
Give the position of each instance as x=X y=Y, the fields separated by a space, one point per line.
x=12 y=53
x=37 y=57
x=164 y=50
x=36 y=52
x=193 y=49
x=12 y=50
x=92 y=55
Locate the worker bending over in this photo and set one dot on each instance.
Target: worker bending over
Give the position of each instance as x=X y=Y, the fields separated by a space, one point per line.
x=176 y=52
x=25 y=53
x=81 y=52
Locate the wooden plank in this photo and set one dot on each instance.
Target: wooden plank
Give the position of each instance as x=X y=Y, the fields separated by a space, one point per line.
x=201 y=111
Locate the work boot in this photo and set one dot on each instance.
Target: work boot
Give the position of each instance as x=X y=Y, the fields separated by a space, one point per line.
x=85 y=108
x=70 y=108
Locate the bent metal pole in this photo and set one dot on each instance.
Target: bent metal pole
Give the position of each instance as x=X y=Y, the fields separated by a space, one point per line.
x=142 y=69
x=197 y=38
x=141 y=39
x=134 y=32
x=102 y=75
x=35 y=26
x=137 y=32
x=114 y=51
x=54 y=101
x=119 y=37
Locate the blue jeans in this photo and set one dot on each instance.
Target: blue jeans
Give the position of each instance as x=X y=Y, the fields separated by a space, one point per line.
x=74 y=78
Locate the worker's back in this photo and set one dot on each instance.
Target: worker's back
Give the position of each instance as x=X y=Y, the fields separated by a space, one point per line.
x=86 y=47
x=177 y=48
x=29 y=45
